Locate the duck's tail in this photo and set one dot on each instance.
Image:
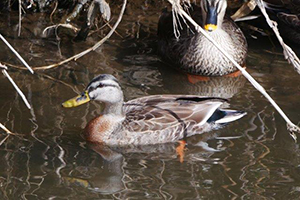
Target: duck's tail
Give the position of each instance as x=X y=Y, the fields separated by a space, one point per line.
x=223 y=116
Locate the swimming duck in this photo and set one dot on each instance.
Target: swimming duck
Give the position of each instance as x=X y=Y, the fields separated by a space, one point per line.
x=151 y=119
x=192 y=52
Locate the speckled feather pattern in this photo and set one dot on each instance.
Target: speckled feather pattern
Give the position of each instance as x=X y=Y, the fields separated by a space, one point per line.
x=154 y=119
x=194 y=54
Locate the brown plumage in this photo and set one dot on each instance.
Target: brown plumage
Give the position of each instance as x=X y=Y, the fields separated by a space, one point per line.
x=151 y=119
x=192 y=52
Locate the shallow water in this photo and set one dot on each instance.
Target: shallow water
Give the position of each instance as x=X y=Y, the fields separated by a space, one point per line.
x=252 y=158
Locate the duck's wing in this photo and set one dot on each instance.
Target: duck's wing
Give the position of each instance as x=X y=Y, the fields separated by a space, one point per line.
x=159 y=112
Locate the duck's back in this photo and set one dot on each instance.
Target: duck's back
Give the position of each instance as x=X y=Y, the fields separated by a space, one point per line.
x=168 y=118
x=193 y=53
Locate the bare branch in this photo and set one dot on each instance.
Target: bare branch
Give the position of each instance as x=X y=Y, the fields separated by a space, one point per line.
x=2 y=141
x=5 y=129
x=70 y=26
x=16 y=87
x=93 y=48
x=289 y=54
x=16 y=53
x=20 y=18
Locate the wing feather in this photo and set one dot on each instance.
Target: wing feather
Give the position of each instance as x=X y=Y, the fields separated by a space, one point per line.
x=160 y=112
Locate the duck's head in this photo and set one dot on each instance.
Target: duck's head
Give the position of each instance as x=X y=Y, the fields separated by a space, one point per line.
x=104 y=88
x=213 y=12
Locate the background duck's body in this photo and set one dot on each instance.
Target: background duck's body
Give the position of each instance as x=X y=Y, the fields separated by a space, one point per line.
x=193 y=53
x=151 y=119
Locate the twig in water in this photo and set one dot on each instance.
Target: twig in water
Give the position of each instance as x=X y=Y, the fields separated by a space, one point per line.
x=93 y=48
x=16 y=53
x=79 y=55
x=20 y=18
x=115 y=30
x=15 y=86
x=59 y=81
x=70 y=26
x=7 y=131
x=291 y=127
x=2 y=141
x=289 y=54
x=53 y=11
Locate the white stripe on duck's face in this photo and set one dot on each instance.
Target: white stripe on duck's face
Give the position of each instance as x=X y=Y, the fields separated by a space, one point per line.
x=106 y=90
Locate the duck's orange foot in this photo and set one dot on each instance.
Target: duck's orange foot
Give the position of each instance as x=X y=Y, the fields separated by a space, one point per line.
x=235 y=74
x=195 y=78
x=180 y=150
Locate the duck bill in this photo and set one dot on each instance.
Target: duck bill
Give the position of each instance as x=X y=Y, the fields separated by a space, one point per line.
x=77 y=101
x=211 y=19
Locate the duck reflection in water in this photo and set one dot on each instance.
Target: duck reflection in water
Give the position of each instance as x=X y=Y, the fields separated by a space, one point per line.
x=87 y=174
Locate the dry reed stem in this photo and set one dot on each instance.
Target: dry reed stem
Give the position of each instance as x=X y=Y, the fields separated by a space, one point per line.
x=16 y=53
x=291 y=127
x=69 y=26
x=93 y=48
x=53 y=11
x=7 y=131
x=289 y=54
x=2 y=141
x=20 y=18
x=15 y=85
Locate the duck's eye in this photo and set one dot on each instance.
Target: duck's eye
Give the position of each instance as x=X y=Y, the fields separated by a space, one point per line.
x=100 y=85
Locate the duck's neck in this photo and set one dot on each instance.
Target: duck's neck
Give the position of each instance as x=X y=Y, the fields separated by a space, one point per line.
x=101 y=128
x=113 y=109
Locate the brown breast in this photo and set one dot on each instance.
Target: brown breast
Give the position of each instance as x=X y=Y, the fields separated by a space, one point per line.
x=96 y=128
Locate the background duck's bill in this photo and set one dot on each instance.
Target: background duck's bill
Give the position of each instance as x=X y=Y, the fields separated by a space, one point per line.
x=77 y=101
x=211 y=19
x=210 y=27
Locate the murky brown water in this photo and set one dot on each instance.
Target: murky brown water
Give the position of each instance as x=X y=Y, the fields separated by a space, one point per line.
x=252 y=158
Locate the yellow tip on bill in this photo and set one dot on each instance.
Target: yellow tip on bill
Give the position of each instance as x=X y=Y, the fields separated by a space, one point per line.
x=210 y=27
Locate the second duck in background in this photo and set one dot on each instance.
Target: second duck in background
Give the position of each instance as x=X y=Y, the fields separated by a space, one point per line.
x=192 y=52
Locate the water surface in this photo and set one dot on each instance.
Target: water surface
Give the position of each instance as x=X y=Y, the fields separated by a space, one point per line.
x=252 y=158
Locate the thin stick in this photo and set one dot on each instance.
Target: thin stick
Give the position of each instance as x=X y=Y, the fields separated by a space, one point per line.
x=77 y=56
x=5 y=129
x=8 y=133
x=93 y=48
x=70 y=26
x=6 y=137
x=16 y=53
x=17 y=88
x=20 y=18
x=290 y=126
x=53 y=11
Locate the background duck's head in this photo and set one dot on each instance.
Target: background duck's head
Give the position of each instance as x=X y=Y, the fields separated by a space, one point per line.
x=104 y=88
x=213 y=12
